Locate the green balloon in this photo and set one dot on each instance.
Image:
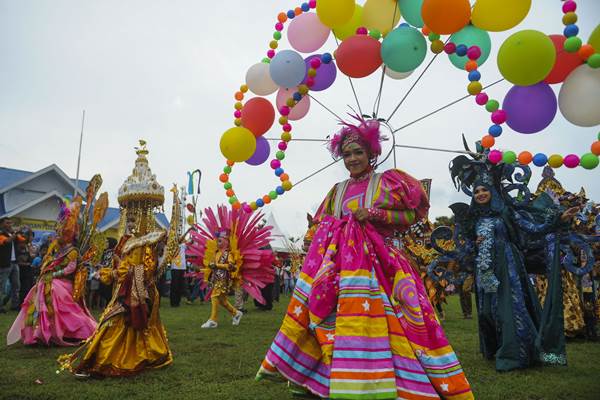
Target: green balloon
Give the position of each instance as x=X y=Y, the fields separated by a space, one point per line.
x=227 y=185
x=594 y=39
x=411 y=11
x=526 y=57
x=589 y=161
x=509 y=157
x=594 y=60
x=471 y=36
x=273 y=194
x=572 y=44
x=403 y=49
x=492 y=105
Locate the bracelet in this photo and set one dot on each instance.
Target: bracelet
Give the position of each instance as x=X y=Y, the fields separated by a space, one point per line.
x=376 y=214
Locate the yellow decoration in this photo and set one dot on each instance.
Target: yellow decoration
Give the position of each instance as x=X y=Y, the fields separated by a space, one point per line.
x=377 y=14
x=499 y=15
x=350 y=27
x=594 y=39
x=334 y=13
x=286 y=185
x=474 y=88
x=555 y=161
x=238 y=144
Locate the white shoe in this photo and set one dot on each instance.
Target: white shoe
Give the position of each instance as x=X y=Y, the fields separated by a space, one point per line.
x=209 y=324
x=236 y=318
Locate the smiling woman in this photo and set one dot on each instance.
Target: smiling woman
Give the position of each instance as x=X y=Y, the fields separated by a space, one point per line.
x=359 y=317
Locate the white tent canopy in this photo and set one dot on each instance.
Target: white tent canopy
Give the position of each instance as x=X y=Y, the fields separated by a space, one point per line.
x=280 y=242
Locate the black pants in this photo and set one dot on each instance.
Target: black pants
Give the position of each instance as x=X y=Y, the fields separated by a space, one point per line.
x=465 y=301
x=26 y=279
x=177 y=286
x=267 y=293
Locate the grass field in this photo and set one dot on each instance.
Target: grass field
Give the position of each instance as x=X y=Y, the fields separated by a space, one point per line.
x=221 y=363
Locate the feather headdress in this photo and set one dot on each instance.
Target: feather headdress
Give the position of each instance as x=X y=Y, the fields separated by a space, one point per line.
x=366 y=133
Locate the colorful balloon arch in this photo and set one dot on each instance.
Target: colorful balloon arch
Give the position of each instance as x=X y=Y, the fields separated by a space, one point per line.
x=371 y=37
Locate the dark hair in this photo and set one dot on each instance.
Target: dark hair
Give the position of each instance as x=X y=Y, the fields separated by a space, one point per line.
x=4 y=219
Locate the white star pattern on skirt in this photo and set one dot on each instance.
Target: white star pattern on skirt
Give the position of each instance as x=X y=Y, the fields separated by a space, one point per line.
x=298 y=311
x=366 y=305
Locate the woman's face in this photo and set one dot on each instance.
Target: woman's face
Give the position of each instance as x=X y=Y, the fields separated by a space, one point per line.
x=356 y=159
x=223 y=242
x=482 y=195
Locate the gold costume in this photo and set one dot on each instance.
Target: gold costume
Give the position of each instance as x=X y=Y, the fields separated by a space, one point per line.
x=130 y=336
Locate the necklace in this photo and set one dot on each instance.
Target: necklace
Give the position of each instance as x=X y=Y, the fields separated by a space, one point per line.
x=362 y=177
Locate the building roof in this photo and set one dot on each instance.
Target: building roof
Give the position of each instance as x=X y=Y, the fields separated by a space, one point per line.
x=10 y=177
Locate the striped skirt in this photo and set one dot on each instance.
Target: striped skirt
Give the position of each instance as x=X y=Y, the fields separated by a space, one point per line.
x=359 y=324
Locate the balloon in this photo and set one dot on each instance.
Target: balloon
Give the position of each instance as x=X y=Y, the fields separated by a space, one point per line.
x=397 y=75
x=299 y=110
x=259 y=80
x=404 y=49
x=530 y=109
x=526 y=57
x=594 y=39
x=471 y=36
x=238 y=144
x=446 y=16
x=382 y=15
x=326 y=74
x=565 y=61
x=589 y=161
x=261 y=154
x=348 y=29
x=258 y=115
x=359 y=56
x=579 y=97
x=555 y=161
x=287 y=68
x=540 y=159
x=306 y=33
x=334 y=13
x=499 y=15
x=411 y=11
x=571 y=161
x=190 y=220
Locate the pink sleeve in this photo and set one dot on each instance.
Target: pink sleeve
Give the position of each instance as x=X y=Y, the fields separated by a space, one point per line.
x=401 y=198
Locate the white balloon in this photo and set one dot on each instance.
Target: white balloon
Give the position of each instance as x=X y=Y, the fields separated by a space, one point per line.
x=397 y=75
x=579 y=97
x=258 y=79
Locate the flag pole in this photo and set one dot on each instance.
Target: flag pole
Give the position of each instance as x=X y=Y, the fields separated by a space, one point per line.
x=79 y=155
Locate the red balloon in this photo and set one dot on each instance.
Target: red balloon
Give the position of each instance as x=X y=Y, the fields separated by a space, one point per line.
x=359 y=56
x=258 y=115
x=565 y=61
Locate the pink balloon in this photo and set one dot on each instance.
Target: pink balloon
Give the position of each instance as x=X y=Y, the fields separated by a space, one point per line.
x=307 y=33
x=299 y=110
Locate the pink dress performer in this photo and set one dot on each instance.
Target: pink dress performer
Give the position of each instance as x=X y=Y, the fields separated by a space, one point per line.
x=359 y=324
x=54 y=310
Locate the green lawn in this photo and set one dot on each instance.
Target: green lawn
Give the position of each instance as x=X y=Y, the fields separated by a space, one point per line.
x=221 y=363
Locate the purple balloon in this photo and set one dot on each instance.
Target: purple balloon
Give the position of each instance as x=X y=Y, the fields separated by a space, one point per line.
x=530 y=109
x=261 y=154
x=326 y=74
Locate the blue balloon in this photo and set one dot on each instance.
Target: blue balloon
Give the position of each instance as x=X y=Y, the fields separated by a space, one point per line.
x=403 y=49
x=461 y=50
x=326 y=58
x=287 y=69
x=279 y=190
x=279 y=171
x=305 y=7
x=474 y=76
x=495 y=130
x=260 y=202
x=291 y=14
x=540 y=159
x=571 y=30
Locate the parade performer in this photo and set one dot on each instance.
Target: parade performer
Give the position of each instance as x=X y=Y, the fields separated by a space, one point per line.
x=359 y=324
x=54 y=310
x=130 y=337
x=228 y=249
x=507 y=235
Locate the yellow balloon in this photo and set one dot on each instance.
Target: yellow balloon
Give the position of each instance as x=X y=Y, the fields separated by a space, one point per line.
x=377 y=14
x=555 y=161
x=238 y=144
x=499 y=15
x=350 y=27
x=594 y=39
x=333 y=13
x=190 y=220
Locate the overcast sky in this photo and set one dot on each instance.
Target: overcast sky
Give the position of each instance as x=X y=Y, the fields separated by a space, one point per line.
x=166 y=71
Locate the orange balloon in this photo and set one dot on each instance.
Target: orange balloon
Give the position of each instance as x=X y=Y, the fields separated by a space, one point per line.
x=258 y=115
x=525 y=157
x=471 y=65
x=488 y=141
x=586 y=51
x=596 y=148
x=446 y=16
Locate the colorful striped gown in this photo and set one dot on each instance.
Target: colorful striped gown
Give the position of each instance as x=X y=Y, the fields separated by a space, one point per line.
x=359 y=324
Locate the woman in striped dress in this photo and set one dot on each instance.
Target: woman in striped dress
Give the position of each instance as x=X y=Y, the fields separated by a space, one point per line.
x=359 y=324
